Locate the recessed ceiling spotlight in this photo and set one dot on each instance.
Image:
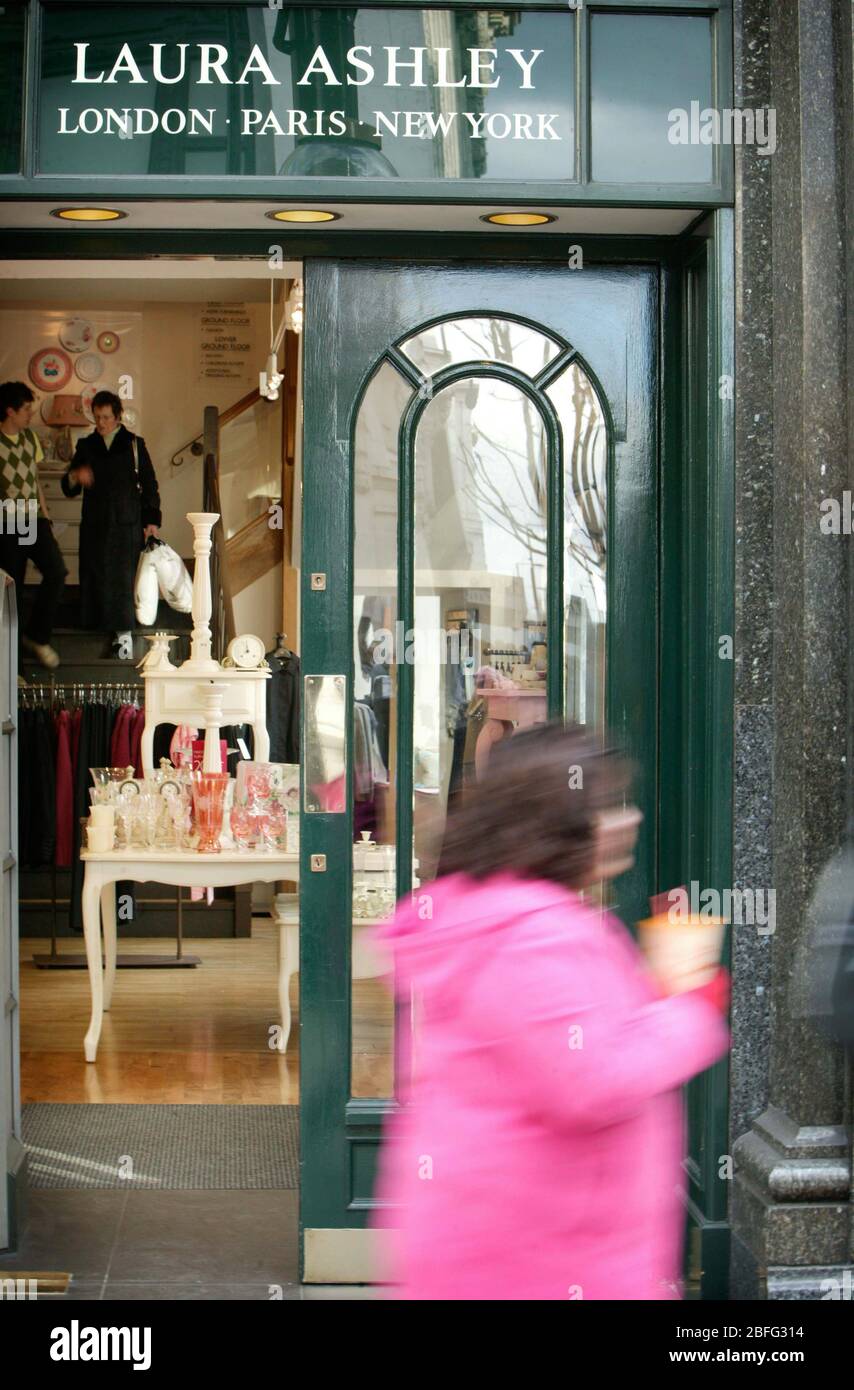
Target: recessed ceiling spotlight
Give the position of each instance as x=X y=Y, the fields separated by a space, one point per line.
x=88 y=214
x=518 y=219
x=304 y=215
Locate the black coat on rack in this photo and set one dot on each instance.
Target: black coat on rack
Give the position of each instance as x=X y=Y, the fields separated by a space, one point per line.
x=283 y=707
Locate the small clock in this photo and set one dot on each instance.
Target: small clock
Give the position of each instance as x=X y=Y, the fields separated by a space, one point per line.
x=245 y=652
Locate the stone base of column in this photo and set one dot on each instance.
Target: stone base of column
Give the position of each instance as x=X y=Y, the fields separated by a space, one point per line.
x=791 y=1213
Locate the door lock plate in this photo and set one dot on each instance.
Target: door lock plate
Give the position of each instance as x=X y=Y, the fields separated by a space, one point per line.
x=318 y=582
x=318 y=863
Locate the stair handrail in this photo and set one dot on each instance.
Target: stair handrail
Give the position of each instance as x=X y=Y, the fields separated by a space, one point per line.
x=196 y=445
x=223 y=627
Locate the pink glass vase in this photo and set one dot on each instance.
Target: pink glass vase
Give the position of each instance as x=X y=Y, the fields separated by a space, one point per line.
x=208 y=806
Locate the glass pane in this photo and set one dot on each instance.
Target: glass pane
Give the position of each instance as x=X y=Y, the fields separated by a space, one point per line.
x=12 y=26
x=642 y=67
x=285 y=90
x=480 y=575
x=585 y=443
x=375 y=719
x=250 y=464
x=480 y=340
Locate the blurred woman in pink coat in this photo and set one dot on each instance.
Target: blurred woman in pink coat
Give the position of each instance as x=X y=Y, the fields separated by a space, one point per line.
x=537 y=1150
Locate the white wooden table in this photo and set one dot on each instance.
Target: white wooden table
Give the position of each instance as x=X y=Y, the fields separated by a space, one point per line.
x=185 y=869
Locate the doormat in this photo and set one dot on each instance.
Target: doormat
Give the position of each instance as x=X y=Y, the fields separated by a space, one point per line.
x=162 y=1146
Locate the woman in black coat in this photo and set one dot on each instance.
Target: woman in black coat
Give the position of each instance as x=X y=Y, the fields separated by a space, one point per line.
x=121 y=509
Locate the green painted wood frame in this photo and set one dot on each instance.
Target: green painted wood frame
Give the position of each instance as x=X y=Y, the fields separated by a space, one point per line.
x=695 y=753
x=28 y=185
x=698 y=556
x=697 y=575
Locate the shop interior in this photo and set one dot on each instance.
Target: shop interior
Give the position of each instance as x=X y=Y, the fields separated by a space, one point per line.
x=205 y=1009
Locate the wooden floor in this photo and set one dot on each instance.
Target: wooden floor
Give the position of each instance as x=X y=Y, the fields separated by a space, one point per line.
x=184 y=1036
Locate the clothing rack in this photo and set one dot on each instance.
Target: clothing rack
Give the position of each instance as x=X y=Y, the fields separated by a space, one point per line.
x=53 y=693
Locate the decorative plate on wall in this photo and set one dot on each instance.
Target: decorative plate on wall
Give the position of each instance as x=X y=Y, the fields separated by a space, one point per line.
x=89 y=367
x=50 y=369
x=86 y=397
x=77 y=334
x=108 y=342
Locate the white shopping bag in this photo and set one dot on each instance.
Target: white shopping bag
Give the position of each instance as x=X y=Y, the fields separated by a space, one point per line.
x=145 y=590
x=173 y=577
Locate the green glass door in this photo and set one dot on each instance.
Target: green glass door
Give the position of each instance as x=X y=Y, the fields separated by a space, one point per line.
x=480 y=531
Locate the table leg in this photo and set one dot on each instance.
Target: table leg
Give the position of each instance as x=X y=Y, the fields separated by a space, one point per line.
x=492 y=732
x=92 y=935
x=146 y=749
x=285 y=968
x=261 y=743
x=108 y=919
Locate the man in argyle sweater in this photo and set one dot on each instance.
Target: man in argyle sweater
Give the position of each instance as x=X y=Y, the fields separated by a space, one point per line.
x=20 y=495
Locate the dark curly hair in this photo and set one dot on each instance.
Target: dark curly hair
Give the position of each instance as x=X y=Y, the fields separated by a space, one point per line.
x=13 y=394
x=108 y=398
x=532 y=813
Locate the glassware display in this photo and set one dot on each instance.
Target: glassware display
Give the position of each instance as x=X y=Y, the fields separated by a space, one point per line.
x=109 y=776
x=242 y=826
x=274 y=826
x=209 y=790
x=163 y=810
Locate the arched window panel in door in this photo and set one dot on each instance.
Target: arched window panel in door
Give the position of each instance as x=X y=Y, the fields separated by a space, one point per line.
x=375 y=713
x=480 y=339
x=481 y=557
x=585 y=450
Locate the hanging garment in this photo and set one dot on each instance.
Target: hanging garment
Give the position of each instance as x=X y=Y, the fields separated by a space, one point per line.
x=76 y=720
x=369 y=770
x=64 y=792
x=120 y=739
x=136 y=727
x=36 y=789
x=95 y=732
x=283 y=708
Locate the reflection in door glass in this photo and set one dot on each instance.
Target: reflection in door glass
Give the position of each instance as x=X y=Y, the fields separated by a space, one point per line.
x=480 y=648
x=480 y=340
x=375 y=473
x=585 y=443
x=480 y=577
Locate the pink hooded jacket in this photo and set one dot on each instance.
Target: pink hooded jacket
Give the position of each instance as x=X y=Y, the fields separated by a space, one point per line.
x=539 y=1154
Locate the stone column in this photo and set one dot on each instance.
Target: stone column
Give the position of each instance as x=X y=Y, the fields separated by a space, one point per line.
x=790 y=1210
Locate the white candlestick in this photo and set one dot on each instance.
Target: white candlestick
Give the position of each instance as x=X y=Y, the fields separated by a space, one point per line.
x=200 y=648
x=211 y=693
x=102 y=816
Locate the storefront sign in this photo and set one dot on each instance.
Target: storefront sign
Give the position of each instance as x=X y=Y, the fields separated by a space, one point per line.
x=251 y=90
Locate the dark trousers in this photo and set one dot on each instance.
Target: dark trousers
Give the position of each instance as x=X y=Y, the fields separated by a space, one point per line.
x=47 y=558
